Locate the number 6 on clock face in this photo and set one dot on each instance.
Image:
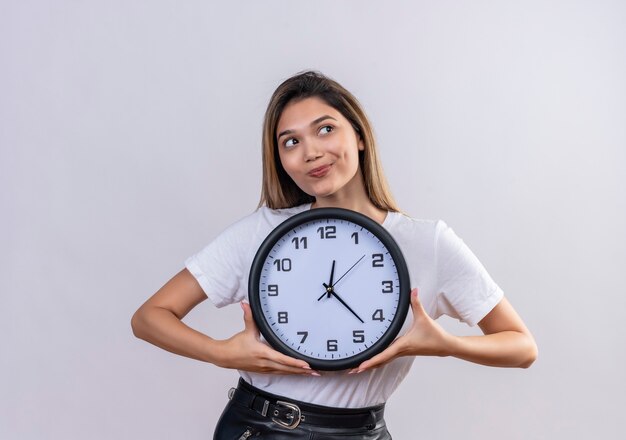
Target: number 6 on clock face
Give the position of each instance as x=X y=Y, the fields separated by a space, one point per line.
x=329 y=286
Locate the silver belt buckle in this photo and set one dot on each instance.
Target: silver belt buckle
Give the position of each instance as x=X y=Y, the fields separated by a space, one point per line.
x=295 y=415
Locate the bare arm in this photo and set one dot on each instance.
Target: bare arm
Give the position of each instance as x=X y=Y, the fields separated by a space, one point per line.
x=506 y=341
x=159 y=321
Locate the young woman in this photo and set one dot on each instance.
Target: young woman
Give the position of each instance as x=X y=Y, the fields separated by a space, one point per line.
x=319 y=151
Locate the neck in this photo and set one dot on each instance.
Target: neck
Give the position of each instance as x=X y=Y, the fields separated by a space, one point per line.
x=358 y=204
x=354 y=197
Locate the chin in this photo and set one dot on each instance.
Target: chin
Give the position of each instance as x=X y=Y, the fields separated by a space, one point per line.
x=321 y=194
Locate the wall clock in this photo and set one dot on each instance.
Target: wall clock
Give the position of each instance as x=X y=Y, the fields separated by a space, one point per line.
x=329 y=286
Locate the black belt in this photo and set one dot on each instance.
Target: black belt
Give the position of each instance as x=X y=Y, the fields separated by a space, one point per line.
x=290 y=413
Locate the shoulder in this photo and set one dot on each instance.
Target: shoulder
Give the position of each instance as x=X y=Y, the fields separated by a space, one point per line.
x=432 y=239
x=262 y=219
x=403 y=225
x=417 y=238
x=266 y=219
x=279 y=215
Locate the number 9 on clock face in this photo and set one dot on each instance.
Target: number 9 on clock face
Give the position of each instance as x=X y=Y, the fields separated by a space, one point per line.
x=329 y=286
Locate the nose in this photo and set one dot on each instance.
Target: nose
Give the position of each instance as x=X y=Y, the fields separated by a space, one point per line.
x=312 y=151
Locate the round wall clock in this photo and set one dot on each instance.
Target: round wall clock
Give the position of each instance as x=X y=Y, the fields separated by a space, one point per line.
x=329 y=286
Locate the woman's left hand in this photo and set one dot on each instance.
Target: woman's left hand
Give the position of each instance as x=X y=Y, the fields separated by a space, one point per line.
x=425 y=338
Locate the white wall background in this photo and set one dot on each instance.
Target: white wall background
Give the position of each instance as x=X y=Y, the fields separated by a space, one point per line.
x=130 y=136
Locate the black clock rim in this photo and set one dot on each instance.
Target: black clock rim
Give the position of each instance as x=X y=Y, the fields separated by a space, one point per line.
x=340 y=214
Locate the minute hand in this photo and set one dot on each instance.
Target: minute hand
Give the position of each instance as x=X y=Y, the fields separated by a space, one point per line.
x=332 y=292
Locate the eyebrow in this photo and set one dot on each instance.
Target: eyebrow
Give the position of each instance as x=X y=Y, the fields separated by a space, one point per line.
x=315 y=122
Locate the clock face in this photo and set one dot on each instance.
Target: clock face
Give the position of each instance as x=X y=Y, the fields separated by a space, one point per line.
x=329 y=286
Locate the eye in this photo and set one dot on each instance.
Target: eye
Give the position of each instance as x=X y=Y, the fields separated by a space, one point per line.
x=326 y=129
x=291 y=142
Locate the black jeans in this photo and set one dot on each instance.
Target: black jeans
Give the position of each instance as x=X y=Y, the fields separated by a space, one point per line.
x=241 y=421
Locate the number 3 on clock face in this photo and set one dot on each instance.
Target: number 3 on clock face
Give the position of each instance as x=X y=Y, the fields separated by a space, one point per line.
x=329 y=286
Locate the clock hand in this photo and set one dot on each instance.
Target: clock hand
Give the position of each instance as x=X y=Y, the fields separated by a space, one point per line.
x=351 y=267
x=331 y=291
x=331 y=285
x=332 y=274
x=327 y=292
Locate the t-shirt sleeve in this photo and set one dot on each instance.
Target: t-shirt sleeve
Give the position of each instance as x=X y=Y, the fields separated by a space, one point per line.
x=465 y=289
x=220 y=267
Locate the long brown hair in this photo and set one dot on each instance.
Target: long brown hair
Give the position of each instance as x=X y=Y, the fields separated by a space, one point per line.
x=279 y=190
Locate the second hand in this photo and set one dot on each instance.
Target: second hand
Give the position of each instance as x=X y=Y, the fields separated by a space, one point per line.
x=346 y=273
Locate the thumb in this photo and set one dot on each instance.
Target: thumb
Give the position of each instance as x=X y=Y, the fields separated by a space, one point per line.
x=248 y=320
x=416 y=305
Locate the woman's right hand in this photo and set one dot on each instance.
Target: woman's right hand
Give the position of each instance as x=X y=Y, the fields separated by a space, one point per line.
x=159 y=321
x=245 y=351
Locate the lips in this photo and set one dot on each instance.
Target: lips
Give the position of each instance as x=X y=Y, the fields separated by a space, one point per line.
x=319 y=171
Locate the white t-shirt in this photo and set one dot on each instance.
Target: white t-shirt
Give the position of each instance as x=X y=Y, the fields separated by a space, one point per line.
x=449 y=277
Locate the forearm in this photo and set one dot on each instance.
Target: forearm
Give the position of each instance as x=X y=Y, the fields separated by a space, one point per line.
x=164 y=329
x=503 y=349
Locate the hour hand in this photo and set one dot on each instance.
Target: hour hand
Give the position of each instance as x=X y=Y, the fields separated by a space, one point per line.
x=330 y=283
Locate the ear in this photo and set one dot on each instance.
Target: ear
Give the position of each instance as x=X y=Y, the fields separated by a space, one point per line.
x=361 y=144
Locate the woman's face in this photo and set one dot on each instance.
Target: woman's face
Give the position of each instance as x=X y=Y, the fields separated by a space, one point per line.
x=318 y=148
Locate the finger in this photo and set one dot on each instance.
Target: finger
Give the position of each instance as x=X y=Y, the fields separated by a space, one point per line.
x=287 y=363
x=292 y=364
x=278 y=357
x=249 y=323
x=277 y=367
x=416 y=305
